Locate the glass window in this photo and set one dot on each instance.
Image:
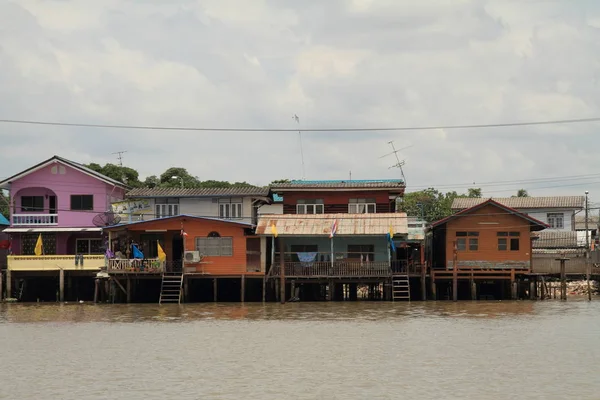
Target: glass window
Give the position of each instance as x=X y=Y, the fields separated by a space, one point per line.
x=88 y=246
x=556 y=220
x=473 y=244
x=461 y=244
x=82 y=202
x=502 y=244
x=29 y=240
x=514 y=244
x=215 y=246
x=32 y=203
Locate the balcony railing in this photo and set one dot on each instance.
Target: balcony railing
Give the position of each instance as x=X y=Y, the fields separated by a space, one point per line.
x=145 y=266
x=339 y=269
x=55 y=262
x=34 y=219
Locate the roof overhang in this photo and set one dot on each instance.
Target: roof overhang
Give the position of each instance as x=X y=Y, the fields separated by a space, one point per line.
x=139 y=225
x=50 y=229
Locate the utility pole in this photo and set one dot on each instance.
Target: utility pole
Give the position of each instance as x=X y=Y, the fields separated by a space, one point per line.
x=588 y=265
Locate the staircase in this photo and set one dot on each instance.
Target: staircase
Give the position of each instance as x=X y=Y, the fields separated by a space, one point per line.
x=170 y=289
x=400 y=287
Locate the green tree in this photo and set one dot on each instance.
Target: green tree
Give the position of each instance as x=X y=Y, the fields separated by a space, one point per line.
x=4 y=204
x=178 y=177
x=128 y=176
x=431 y=204
x=279 y=181
x=522 y=193
x=474 y=192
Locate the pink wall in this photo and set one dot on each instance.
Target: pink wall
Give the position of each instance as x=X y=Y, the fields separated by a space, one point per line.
x=63 y=181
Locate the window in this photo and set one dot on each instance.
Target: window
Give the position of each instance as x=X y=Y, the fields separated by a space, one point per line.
x=166 y=207
x=362 y=206
x=503 y=240
x=230 y=210
x=556 y=220
x=89 y=246
x=215 y=246
x=310 y=206
x=361 y=251
x=473 y=244
x=29 y=240
x=32 y=203
x=82 y=202
x=461 y=241
x=502 y=244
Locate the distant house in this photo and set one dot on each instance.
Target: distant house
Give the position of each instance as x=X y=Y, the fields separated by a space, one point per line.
x=488 y=242
x=235 y=203
x=66 y=204
x=558 y=212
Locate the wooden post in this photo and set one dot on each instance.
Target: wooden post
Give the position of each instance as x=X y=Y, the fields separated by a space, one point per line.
x=513 y=285
x=277 y=291
x=293 y=289
x=423 y=279
x=1 y=296
x=563 y=278
x=433 y=286
x=8 y=284
x=186 y=289
x=61 y=284
x=282 y=271
x=264 y=289
x=128 y=290
x=243 y=288
x=473 y=288
x=96 y=288
x=455 y=275
x=215 y=294
x=543 y=289
x=106 y=291
x=532 y=286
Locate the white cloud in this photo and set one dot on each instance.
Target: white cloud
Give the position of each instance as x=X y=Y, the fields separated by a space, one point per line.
x=335 y=64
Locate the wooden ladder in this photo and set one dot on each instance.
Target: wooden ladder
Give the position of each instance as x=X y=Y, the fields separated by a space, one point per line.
x=171 y=287
x=400 y=287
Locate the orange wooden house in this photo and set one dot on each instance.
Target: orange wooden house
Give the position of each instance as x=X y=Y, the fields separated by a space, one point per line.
x=486 y=243
x=194 y=245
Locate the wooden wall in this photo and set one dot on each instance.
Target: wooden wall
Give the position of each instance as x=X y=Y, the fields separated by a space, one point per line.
x=337 y=202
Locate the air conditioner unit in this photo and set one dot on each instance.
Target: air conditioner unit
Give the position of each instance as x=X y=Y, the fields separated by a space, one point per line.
x=191 y=257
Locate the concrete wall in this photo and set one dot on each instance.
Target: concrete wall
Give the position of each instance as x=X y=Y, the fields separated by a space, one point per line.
x=542 y=215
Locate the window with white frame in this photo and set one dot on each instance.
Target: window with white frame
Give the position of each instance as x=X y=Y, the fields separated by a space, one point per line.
x=362 y=206
x=166 y=207
x=215 y=246
x=88 y=246
x=230 y=208
x=314 y=206
x=556 y=220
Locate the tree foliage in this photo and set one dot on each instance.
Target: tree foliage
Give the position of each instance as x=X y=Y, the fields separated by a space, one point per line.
x=126 y=175
x=522 y=193
x=431 y=204
x=4 y=204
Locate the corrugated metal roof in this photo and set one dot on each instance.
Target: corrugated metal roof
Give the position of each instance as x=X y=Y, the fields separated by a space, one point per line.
x=342 y=184
x=3 y=220
x=180 y=216
x=520 y=203
x=199 y=192
x=552 y=239
x=320 y=224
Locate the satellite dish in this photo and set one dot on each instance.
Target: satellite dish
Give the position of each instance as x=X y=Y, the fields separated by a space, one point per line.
x=106 y=219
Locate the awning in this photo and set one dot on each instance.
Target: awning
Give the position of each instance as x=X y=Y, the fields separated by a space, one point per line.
x=321 y=224
x=50 y=229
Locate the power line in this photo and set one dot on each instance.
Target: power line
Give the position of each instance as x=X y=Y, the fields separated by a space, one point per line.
x=364 y=129
x=503 y=183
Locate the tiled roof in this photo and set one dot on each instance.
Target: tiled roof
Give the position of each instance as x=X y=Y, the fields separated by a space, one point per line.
x=199 y=192
x=320 y=224
x=520 y=203
x=342 y=184
x=551 y=239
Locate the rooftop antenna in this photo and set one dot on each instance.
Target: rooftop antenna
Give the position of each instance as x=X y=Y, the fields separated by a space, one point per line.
x=399 y=163
x=120 y=156
x=297 y=119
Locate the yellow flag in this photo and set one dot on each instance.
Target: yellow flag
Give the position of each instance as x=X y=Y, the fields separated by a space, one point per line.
x=39 y=246
x=391 y=232
x=162 y=256
x=274 y=230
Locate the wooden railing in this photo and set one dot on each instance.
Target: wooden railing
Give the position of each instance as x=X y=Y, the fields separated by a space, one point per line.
x=406 y=267
x=339 y=269
x=34 y=219
x=147 y=266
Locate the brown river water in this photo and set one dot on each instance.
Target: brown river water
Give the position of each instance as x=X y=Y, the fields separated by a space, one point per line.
x=360 y=350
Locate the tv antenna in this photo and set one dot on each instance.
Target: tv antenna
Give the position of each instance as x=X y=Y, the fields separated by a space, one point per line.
x=297 y=119
x=399 y=163
x=120 y=156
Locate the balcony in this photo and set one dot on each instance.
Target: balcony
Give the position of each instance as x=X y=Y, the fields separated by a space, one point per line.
x=139 y=266
x=54 y=263
x=34 y=219
x=339 y=269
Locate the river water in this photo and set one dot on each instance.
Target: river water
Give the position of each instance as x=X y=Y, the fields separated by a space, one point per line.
x=360 y=350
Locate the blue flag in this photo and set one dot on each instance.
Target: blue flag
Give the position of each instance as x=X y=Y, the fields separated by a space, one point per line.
x=391 y=241
x=136 y=252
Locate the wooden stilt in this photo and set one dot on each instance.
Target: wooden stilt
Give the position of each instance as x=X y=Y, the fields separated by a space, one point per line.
x=186 y=289
x=277 y=291
x=215 y=294
x=8 y=284
x=1 y=293
x=455 y=275
x=293 y=289
x=473 y=289
x=433 y=287
x=264 y=290
x=61 y=285
x=128 y=290
x=423 y=282
x=243 y=288
x=513 y=285
x=563 y=281
x=96 y=288
x=282 y=270
x=353 y=291
x=106 y=291
x=532 y=286
x=543 y=290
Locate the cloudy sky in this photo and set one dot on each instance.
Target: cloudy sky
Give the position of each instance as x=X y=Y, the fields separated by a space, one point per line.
x=335 y=63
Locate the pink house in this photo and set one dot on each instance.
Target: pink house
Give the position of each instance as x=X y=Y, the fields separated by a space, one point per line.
x=67 y=203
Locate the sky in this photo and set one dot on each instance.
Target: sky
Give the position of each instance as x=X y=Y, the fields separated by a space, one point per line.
x=335 y=64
